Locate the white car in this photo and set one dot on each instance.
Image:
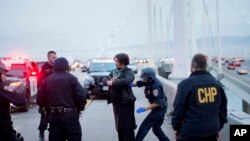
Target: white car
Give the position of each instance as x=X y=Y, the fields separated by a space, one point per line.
x=242 y=71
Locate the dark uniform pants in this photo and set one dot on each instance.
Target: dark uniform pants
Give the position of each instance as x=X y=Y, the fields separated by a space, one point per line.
x=153 y=120
x=65 y=129
x=125 y=121
x=183 y=137
x=43 y=121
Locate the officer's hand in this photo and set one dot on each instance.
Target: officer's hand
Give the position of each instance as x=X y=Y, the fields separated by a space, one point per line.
x=141 y=110
x=91 y=86
x=139 y=84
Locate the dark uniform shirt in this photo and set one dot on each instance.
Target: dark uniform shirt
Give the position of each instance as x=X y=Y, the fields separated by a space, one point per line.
x=6 y=98
x=200 y=107
x=62 y=89
x=155 y=94
x=46 y=70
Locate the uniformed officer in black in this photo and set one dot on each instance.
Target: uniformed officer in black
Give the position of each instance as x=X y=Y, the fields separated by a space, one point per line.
x=7 y=96
x=47 y=69
x=158 y=105
x=64 y=99
x=200 y=106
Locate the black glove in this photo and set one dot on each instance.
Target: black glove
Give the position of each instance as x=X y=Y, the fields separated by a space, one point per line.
x=91 y=86
x=140 y=83
x=104 y=81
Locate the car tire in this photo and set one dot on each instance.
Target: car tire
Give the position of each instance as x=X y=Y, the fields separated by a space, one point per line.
x=27 y=98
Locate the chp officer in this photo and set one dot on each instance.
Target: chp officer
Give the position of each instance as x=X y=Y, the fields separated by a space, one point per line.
x=200 y=106
x=158 y=105
x=64 y=98
x=47 y=69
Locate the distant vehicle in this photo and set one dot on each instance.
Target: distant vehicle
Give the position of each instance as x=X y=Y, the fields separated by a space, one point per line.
x=231 y=66
x=227 y=60
x=24 y=72
x=238 y=59
x=237 y=64
x=242 y=71
x=98 y=69
x=223 y=62
x=214 y=59
x=133 y=67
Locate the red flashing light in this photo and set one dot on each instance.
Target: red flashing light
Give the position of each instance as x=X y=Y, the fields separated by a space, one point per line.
x=33 y=73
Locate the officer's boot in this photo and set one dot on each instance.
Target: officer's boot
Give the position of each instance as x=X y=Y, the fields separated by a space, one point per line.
x=41 y=136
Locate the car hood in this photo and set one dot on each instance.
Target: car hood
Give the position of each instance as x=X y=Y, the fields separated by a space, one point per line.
x=99 y=73
x=13 y=79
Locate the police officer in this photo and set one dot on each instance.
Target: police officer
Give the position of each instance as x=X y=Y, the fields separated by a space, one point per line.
x=7 y=96
x=47 y=69
x=158 y=105
x=200 y=106
x=64 y=98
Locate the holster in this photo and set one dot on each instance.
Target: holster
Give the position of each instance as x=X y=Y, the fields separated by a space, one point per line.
x=62 y=113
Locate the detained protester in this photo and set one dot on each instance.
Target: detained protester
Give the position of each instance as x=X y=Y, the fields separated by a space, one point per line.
x=122 y=97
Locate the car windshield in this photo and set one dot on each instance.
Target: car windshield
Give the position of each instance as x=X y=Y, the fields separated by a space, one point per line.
x=101 y=67
x=15 y=73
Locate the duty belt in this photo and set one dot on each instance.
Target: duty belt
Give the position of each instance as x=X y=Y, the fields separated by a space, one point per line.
x=61 y=109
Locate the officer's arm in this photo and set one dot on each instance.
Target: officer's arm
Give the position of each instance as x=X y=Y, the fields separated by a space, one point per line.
x=157 y=99
x=15 y=99
x=79 y=95
x=223 y=109
x=41 y=95
x=129 y=78
x=152 y=106
x=139 y=84
x=179 y=106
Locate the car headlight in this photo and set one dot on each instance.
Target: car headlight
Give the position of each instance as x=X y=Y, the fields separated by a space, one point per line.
x=88 y=81
x=16 y=84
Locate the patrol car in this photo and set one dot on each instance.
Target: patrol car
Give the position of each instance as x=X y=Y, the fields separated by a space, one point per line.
x=23 y=72
x=97 y=70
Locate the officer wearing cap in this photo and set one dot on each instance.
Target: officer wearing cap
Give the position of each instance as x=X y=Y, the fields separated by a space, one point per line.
x=158 y=105
x=7 y=96
x=200 y=106
x=64 y=98
x=47 y=69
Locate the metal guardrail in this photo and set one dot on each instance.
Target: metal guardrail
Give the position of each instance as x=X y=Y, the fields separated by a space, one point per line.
x=170 y=88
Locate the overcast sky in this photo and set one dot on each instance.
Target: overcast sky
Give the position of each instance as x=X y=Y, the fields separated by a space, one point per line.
x=74 y=27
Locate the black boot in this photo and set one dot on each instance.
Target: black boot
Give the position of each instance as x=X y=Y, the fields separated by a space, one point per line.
x=41 y=136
